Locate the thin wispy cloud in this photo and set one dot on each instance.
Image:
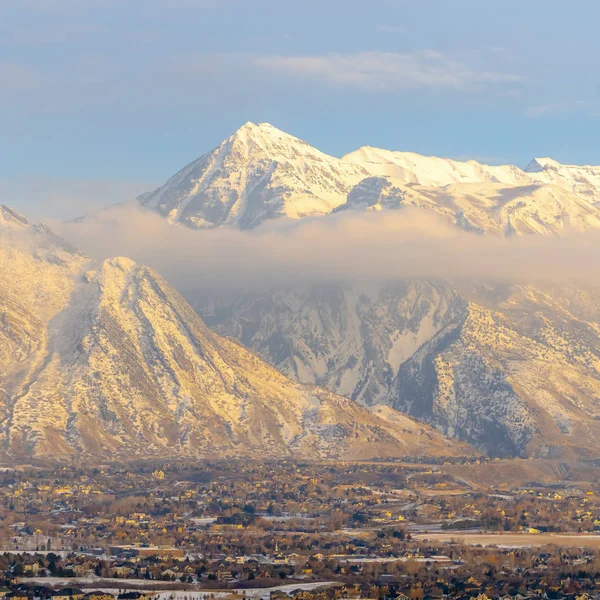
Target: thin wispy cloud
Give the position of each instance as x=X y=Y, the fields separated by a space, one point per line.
x=90 y=81
x=386 y=70
x=108 y=70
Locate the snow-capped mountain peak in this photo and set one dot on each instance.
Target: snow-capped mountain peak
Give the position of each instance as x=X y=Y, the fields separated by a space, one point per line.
x=413 y=168
x=583 y=180
x=263 y=134
x=261 y=173
x=537 y=165
x=256 y=174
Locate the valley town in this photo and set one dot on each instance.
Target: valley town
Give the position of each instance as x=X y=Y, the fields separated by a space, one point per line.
x=452 y=528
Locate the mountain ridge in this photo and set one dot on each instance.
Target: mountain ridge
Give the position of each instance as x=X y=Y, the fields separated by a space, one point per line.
x=510 y=369
x=513 y=378
x=261 y=173
x=102 y=358
x=256 y=174
x=507 y=368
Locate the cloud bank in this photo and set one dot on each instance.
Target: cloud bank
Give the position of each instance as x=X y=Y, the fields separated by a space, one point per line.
x=377 y=71
x=361 y=246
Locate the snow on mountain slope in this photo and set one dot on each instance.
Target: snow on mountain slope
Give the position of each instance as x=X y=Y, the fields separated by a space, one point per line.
x=11 y=218
x=522 y=377
x=513 y=370
x=583 y=180
x=409 y=168
x=99 y=358
x=37 y=276
x=261 y=173
x=489 y=208
x=344 y=338
x=258 y=173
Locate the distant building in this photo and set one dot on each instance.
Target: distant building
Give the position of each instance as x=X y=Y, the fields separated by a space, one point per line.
x=68 y=594
x=134 y=550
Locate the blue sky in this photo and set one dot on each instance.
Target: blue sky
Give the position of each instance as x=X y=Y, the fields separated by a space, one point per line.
x=102 y=98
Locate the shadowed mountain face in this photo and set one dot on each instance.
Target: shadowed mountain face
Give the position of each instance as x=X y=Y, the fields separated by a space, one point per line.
x=509 y=369
x=106 y=358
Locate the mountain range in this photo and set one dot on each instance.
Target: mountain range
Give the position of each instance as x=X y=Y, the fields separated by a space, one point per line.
x=261 y=173
x=104 y=358
x=510 y=368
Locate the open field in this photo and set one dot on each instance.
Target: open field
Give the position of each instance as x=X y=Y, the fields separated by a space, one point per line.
x=511 y=473
x=166 y=591
x=517 y=540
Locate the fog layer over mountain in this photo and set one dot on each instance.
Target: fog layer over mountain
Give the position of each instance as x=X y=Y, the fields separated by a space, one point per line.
x=357 y=246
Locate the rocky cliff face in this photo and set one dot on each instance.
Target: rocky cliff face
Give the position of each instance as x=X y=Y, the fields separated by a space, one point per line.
x=506 y=368
x=345 y=338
